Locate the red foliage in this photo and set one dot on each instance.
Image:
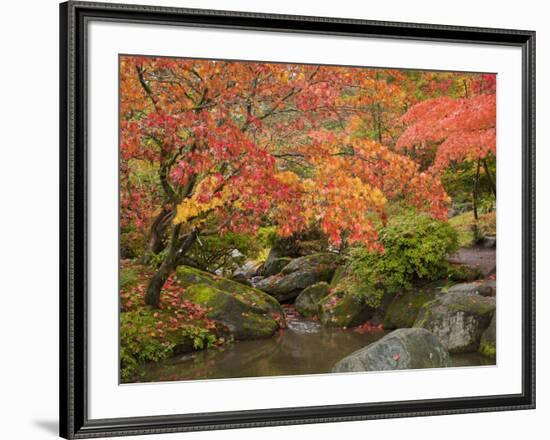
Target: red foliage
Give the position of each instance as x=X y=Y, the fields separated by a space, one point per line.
x=464 y=128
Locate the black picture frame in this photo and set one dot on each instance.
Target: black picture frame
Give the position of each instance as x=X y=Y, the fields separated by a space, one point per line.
x=74 y=420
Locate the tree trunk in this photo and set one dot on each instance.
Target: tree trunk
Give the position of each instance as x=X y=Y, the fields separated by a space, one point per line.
x=178 y=246
x=156 y=242
x=490 y=177
x=474 y=191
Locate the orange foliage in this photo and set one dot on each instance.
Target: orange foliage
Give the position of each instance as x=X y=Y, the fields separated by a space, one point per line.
x=243 y=142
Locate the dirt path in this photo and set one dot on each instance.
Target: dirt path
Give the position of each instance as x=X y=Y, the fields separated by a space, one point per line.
x=480 y=257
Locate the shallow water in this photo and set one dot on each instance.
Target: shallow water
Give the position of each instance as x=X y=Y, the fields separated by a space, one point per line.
x=305 y=347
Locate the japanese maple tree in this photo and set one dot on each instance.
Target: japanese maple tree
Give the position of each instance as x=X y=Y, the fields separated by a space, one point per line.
x=463 y=129
x=235 y=143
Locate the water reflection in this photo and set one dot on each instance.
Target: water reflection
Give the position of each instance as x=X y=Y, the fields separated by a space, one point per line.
x=305 y=347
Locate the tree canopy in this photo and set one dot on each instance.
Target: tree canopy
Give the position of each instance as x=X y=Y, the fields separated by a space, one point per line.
x=210 y=146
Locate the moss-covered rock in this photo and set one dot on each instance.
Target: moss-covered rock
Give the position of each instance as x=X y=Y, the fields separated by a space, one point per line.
x=274 y=266
x=257 y=300
x=307 y=302
x=407 y=348
x=246 y=312
x=403 y=310
x=488 y=341
x=342 y=309
x=462 y=273
x=241 y=320
x=300 y=273
x=483 y=288
x=457 y=319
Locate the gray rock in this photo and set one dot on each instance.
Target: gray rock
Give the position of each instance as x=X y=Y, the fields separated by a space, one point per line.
x=476 y=288
x=240 y=278
x=343 y=309
x=307 y=302
x=489 y=242
x=404 y=308
x=407 y=348
x=457 y=319
x=298 y=274
x=247 y=313
x=275 y=265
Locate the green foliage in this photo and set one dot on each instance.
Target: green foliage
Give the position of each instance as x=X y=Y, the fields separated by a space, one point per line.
x=127 y=278
x=267 y=236
x=201 y=337
x=458 y=181
x=415 y=249
x=222 y=252
x=469 y=231
x=463 y=224
x=156 y=260
x=139 y=343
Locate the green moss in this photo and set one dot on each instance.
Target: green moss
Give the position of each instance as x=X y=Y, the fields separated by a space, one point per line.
x=307 y=302
x=343 y=310
x=404 y=309
x=189 y=276
x=242 y=320
x=274 y=266
x=471 y=303
x=488 y=342
x=259 y=326
x=488 y=349
x=204 y=294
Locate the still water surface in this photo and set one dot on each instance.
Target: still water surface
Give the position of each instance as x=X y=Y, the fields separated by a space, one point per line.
x=305 y=347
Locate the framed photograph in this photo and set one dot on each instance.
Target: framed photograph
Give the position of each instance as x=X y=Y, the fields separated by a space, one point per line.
x=272 y=219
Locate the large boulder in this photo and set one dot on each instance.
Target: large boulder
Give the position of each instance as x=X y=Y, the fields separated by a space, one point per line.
x=348 y=305
x=246 y=312
x=275 y=265
x=457 y=319
x=298 y=274
x=483 y=288
x=297 y=245
x=407 y=348
x=488 y=341
x=307 y=302
x=404 y=308
x=462 y=273
x=342 y=309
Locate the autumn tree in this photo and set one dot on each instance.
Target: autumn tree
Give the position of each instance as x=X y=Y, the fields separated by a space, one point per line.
x=235 y=143
x=463 y=129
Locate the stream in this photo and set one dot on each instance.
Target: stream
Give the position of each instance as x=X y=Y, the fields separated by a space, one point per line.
x=305 y=347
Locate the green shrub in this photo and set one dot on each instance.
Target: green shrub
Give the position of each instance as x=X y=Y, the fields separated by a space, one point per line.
x=415 y=249
x=139 y=342
x=267 y=236
x=200 y=337
x=222 y=252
